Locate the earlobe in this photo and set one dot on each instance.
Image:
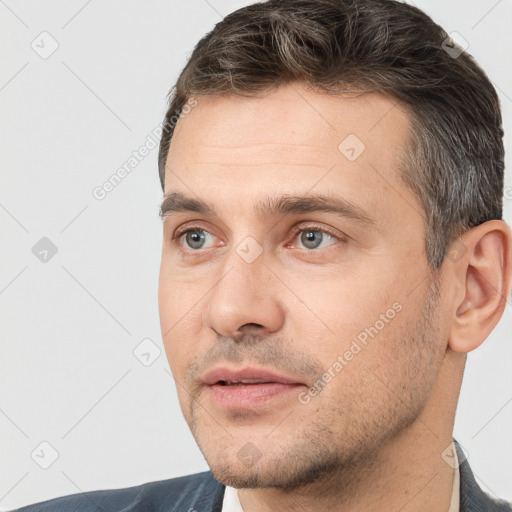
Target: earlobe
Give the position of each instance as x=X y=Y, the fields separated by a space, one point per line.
x=484 y=274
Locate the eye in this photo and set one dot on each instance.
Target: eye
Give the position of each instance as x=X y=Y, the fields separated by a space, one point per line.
x=195 y=238
x=310 y=237
x=314 y=238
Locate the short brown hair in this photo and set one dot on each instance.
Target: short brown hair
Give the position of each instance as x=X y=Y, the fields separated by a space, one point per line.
x=454 y=161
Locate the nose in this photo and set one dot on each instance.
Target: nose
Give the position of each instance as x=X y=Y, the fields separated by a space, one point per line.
x=245 y=300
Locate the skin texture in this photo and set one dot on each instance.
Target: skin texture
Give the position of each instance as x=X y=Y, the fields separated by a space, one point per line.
x=373 y=437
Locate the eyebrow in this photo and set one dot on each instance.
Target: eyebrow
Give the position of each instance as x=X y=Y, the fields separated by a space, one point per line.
x=274 y=205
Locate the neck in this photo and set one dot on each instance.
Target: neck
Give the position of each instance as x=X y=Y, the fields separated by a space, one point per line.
x=407 y=473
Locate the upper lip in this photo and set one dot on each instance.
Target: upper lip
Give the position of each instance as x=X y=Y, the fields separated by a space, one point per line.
x=216 y=375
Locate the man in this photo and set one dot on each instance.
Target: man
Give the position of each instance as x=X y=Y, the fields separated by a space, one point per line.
x=333 y=248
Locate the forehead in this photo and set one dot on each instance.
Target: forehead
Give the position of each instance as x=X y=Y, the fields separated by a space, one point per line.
x=232 y=149
x=292 y=114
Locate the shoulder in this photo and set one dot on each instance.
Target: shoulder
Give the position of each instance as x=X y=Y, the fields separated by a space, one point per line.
x=472 y=497
x=175 y=494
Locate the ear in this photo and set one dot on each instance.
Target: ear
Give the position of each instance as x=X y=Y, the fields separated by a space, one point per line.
x=480 y=265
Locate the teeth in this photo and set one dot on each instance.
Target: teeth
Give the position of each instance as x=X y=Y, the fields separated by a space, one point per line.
x=243 y=381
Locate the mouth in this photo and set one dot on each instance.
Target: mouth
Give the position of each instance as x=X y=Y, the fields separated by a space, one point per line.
x=248 y=388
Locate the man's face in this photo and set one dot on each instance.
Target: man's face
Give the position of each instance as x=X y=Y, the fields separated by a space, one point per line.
x=300 y=338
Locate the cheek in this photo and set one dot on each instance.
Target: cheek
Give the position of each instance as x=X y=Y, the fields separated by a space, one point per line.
x=340 y=309
x=180 y=322
x=354 y=327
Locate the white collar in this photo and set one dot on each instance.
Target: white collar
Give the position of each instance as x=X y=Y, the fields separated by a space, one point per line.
x=231 y=503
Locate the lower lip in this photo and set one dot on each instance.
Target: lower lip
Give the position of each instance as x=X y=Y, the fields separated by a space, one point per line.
x=249 y=395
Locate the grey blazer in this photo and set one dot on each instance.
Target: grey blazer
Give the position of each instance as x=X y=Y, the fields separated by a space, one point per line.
x=202 y=493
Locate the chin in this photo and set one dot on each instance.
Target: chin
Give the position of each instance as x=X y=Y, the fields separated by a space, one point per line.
x=289 y=470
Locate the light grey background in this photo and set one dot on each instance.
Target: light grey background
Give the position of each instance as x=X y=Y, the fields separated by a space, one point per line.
x=69 y=326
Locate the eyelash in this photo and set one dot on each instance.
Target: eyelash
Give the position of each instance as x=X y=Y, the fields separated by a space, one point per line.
x=295 y=231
